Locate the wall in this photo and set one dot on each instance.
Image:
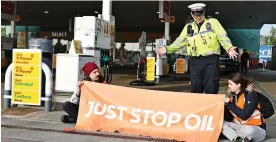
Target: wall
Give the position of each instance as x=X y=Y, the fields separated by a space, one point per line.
x=248 y=39
x=265 y=52
x=273 y=58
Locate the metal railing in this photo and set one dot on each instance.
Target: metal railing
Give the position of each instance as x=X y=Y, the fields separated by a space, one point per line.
x=48 y=87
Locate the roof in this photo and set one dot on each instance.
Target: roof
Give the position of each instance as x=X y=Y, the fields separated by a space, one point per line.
x=129 y=16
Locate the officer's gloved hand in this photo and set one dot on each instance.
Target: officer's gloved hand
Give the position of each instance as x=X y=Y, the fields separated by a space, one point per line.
x=233 y=53
x=161 y=50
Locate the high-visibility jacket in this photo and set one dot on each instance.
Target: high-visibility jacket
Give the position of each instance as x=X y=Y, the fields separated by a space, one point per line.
x=205 y=41
x=255 y=119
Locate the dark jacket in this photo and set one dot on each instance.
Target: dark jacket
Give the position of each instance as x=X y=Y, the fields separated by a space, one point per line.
x=251 y=103
x=244 y=58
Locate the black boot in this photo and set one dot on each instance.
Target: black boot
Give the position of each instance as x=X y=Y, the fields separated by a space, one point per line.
x=246 y=140
x=67 y=119
x=238 y=139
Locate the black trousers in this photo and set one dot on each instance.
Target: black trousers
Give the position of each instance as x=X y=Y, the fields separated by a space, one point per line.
x=72 y=110
x=244 y=68
x=205 y=74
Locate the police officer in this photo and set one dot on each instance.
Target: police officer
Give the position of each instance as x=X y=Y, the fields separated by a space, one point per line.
x=201 y=40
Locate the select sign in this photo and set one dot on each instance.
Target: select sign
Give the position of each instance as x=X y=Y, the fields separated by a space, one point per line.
x=59 y=34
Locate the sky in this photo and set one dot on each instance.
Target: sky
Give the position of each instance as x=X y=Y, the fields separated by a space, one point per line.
x=266 y=28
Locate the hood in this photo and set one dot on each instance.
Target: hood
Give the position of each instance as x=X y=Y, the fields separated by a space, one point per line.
x=250 y=87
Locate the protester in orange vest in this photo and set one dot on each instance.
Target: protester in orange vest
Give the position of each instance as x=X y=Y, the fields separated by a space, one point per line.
x=91 y=73
x=248 y=123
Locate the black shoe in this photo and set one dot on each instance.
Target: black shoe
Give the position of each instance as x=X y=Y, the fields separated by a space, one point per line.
x=67 y=119
x=246 y=140
x=238 y=139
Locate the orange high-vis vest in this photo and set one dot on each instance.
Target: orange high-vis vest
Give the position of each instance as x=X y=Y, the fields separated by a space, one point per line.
x=255 y=119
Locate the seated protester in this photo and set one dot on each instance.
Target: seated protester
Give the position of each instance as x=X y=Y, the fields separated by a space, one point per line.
x=248 y=123
x=91 y=73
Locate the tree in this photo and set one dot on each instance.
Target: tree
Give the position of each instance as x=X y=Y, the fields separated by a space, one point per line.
x=264 y=40
x=272 y=41
x=269 y=39
x=272 y=36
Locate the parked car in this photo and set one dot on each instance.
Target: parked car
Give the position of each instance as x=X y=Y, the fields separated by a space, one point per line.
x=227 y=64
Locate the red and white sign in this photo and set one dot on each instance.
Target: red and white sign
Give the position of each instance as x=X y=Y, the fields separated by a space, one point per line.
x=7 y=10
x=7 y=7
x=164 y=9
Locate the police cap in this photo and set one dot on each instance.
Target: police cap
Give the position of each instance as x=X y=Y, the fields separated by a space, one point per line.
x=197 y=8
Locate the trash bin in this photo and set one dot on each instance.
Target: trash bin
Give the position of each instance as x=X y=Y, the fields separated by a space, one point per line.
x=47 y=57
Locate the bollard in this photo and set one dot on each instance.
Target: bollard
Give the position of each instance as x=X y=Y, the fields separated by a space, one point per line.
x=7 y=95
x=7 y=90
x=48 y=103
x=263 y=65
x=48 y=87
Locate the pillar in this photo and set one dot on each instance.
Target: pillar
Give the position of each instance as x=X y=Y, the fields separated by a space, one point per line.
x=70 y=24
x=107 y=9
x=107 y=15
x=167 y=32
x=13 y=22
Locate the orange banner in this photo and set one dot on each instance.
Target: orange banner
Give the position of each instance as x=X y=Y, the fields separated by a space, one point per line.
x=172 y=115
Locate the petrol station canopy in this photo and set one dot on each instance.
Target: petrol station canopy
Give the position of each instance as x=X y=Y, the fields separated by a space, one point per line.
x=137 y=16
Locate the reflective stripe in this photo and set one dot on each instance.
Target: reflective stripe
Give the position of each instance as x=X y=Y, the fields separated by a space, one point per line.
x=233 y=114
x=194 y=34
x=221 y=35
x=212 y=52
x=208 y=31
x=243 y=122
x=225 y=41
x=179 y=45
x=203 y=32
x=179 y=41
x=256 y=112
x=255 y=116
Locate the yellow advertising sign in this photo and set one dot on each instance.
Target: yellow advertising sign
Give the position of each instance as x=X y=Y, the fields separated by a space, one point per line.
x=21 y=40
x=25 y=83
x=26 y=97
x=112 y=30
x=78 y=48
x=26 y=76
x=171 y=20
x=26 y=71
x=150 y=68
x=54 y=61
x=17 y=18
x=26 y=58
x=165 y=69
x=180 y=65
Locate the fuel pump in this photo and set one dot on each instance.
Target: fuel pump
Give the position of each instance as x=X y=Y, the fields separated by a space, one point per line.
x=97 y=38
x=93 y=38
x=142 y=65
x=161 y=61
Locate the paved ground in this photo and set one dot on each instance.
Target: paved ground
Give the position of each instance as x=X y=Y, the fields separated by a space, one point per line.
x=267 y=79
x=51 y=120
